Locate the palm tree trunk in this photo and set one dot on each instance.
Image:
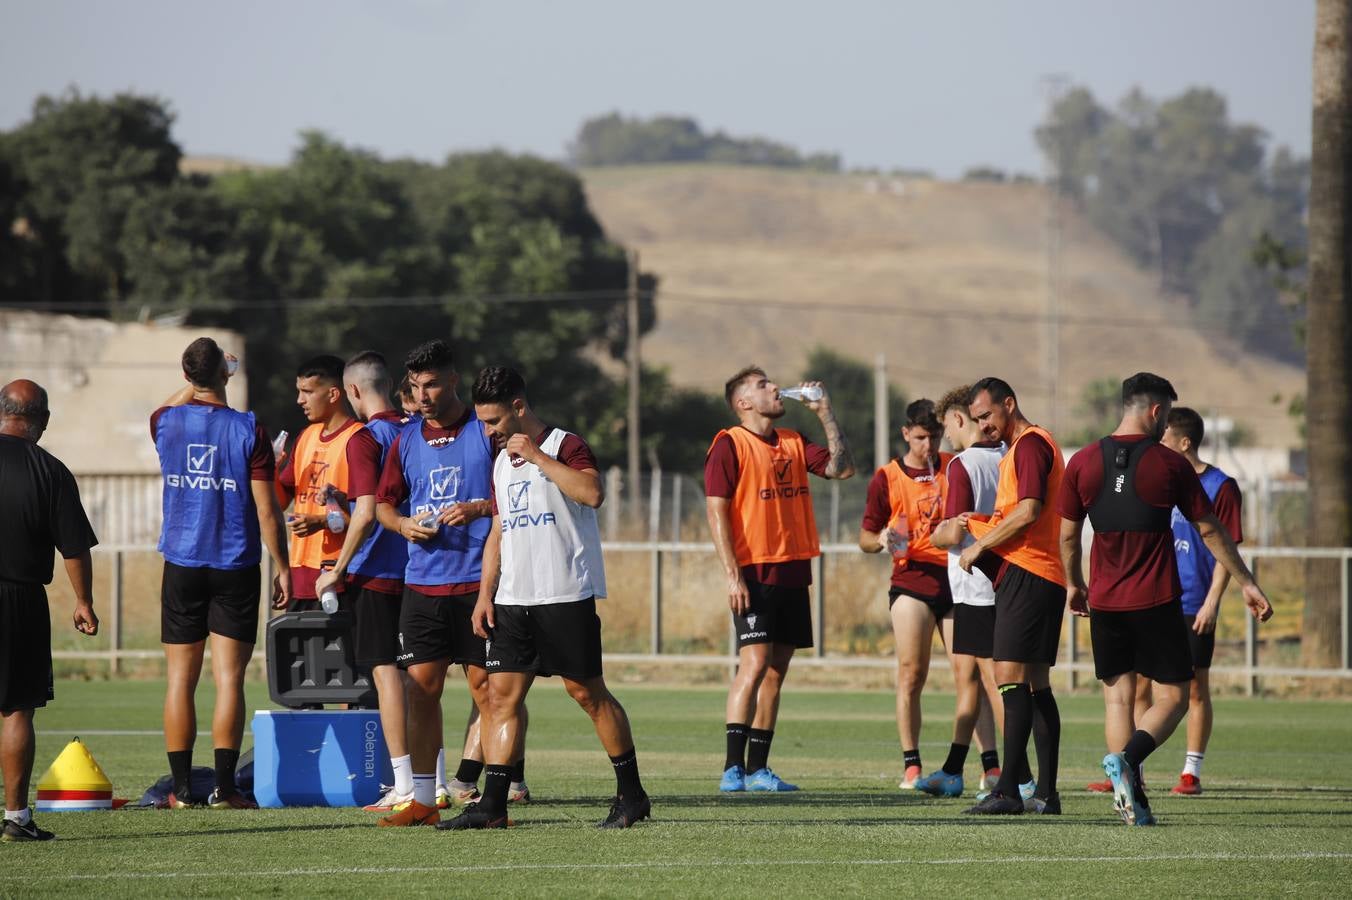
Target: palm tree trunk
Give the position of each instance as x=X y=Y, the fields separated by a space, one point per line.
x=1329 y=389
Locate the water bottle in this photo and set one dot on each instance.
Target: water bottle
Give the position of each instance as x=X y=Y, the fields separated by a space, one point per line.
x=429 y=520
x=329 y=599
x=809 y=394
x=333 y=515
x=231 y=365
x=279 y=444
x=898 y=542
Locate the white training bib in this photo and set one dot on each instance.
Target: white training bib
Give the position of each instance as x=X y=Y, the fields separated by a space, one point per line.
x=551 y=545
x=983 y=471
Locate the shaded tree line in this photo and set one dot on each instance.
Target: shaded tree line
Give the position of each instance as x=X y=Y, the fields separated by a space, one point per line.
x=614 y=140
x=1192 y=195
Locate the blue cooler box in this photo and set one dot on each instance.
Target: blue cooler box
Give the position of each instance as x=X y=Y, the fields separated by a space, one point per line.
x=319 y=757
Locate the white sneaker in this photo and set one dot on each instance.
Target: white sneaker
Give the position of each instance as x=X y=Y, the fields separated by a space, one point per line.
x=518 y=793
x=457 y=793
x=389 y=801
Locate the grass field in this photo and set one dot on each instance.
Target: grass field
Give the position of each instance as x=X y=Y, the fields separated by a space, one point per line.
x=1276 y=817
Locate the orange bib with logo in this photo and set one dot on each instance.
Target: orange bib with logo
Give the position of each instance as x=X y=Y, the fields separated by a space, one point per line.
x=917 y=509
x=772 y=518
x=318 y=463
x=1038 y=549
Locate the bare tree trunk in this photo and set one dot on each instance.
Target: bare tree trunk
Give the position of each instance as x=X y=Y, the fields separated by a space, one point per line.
x=1329 y=389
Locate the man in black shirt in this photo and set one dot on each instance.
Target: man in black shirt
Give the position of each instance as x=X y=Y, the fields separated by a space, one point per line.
x=42 y=514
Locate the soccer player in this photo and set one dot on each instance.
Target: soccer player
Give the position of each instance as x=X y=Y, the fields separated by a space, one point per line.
x=317 y=466
x=1029 y=592
x=42 y=515
x=439 y=469
x=370 y=565
x=543 y=574
x=1203 y=580
x=903 y=504
x=1128 y=484
x=760 y=513
x=407 y=404
x=217 y=466
x=969 y=487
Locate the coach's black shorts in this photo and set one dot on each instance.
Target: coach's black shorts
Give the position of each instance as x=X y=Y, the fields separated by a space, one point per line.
x=1028 y=613
x=437 y=628
x=1203 y=646
x=1152 y=642
x=25 y=647
x=940 y=606
x=974 y=630
x=375 y=629
x=776 y=615
x=195 y=601
x=554 y=639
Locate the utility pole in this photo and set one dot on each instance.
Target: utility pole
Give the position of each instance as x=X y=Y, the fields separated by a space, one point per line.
x=882 y=428
x=1054 y=86
x=633 y=362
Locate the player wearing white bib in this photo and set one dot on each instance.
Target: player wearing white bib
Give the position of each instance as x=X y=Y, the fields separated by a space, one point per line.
x=543 y=562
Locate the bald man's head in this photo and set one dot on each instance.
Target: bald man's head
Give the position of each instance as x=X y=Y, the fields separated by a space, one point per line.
x=23 y=409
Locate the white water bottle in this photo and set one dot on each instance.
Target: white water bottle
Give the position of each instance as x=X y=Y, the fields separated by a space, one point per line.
x=333 y=513
x=809 y=394
x=328 y=600
x=279 y=444
x=898 y=542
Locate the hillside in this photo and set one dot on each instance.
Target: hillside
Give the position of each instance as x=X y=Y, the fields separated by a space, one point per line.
x=947 y=279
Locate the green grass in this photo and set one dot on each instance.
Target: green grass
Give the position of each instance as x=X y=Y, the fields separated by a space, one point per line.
x=1276 y=817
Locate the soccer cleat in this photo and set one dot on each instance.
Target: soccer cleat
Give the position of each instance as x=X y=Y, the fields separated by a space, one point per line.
x=1027 y=790
x=989 y=780
x=1129 y=797
x=184 y=802
x=518 y=793
x=1188 y=785
x=1049 y=807
x=411 y=814
x=233 y=801
x=474 y=816
x=766 y=780
x=940 y=784
x=457 y=793
x=734 y=780
x=908 y=780
x=14 y=833
x=625 y=812
x=997 y=804
x=1100 y=787
x=392 y=800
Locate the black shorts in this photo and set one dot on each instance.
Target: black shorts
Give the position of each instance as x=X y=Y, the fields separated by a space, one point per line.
x=195 y=601
x=939 y=606
x=438 y=628
x=1151 y=642
x=777 y=615
x=25 y=647
x=974 y=630
x=554 y=639
x=1028 y=614
x=1203 y=646
x=375 y=629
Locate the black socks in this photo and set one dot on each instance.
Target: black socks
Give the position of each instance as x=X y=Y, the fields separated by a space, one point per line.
x=469 y=771
x=1018 y=700
x=737 y=735
x=180 y=768
x=519 y=771
x=1138 y=748
x=1047 y=739
x=497 y=780
x=957 y=756
x=990 y=759
x=758 y=749
x=226 y=760
x=910 y=758
x=627 y=783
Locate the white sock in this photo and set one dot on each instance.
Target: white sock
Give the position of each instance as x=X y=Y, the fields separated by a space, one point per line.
x=1192 y=764
x=441 y=766
x=425 y=790
x=403 y=774
x=22 y=816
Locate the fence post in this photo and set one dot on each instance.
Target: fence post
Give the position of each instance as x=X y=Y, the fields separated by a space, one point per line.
x=835 y=511
x=115 y=616
x=655 y=624
x=1073 y=646
x=654 y=503
x=820 y=578
x=1251 y=643
x=676 y=488
x=1344 y=561
x=614 y=493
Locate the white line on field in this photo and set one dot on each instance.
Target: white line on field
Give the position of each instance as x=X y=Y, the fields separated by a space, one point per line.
x=669 y=864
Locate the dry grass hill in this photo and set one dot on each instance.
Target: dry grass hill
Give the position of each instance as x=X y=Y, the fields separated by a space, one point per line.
x=947 y=279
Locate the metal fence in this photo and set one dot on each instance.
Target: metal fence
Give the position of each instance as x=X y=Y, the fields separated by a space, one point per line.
x=656 y=647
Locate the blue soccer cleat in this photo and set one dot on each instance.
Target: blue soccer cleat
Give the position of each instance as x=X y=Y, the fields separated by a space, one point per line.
x=1128 y=798
x=1026 y=792
x=940 y=784
x=734 y=780
x=765 y=780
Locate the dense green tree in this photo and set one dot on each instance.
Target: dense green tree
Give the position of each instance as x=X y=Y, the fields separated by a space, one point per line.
x=614 y=140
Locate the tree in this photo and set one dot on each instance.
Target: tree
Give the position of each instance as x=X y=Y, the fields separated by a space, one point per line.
x=613 y=140
x=1329 y=387
x=850 y=383
x=1099 y=411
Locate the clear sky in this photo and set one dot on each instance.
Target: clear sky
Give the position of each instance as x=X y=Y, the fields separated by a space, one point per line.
x=942 y=85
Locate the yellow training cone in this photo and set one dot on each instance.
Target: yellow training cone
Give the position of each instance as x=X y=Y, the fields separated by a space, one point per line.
x=74 y=782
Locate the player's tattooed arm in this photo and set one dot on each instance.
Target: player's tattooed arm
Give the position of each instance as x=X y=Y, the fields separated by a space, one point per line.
x=841 y=463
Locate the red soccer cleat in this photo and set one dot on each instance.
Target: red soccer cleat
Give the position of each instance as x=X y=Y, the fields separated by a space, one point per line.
x=1188 y=785
x=1100 y=787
